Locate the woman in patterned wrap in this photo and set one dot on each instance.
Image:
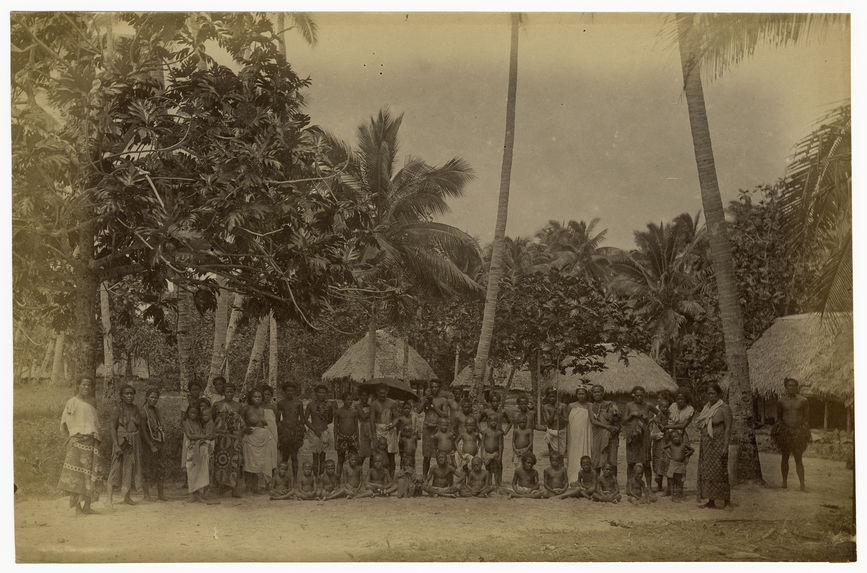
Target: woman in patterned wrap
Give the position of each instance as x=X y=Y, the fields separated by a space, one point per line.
x=153 y=453
x=82 y=467
x=227 y=448
x=715 y=423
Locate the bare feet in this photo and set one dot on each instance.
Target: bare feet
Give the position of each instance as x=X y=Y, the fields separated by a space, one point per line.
x=128 y=500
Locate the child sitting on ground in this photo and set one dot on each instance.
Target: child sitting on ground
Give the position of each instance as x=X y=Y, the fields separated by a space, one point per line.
x=525 y=482
x=522 y=439
x=407 y=436
x=379 y=478
x=478 y=480
x=307 y=486
x=636 y=489
x=405 y=480
x=441 y=478
x=329 y=482
x=585 y=484
x=352 y=483
x=555 y=479
x=607 y=489
x=492 y=450
x=281 y=483
x=678 y=454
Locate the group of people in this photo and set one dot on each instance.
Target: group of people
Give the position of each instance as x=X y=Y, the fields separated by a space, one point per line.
x=227 y=444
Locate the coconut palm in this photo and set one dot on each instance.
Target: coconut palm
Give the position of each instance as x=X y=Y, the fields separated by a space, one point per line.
x=496 y=267
x=661 y=280
x=403 y=249
x=817 y=202
x=575 y=248
x=713 y=43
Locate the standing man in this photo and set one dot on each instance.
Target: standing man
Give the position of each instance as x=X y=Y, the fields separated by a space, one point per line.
x=319 y=414
x=434 y=407
x=382 y=412
x=290 y=426
x=791 y=433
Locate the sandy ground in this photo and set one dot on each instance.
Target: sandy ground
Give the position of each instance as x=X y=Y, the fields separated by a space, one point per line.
x=764 y=524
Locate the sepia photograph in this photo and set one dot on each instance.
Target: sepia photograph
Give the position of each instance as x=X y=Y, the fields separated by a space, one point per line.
x=431 y=287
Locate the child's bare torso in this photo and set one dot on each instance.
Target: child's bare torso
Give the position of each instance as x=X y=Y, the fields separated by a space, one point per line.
x=477 y=479
x=442 y=476
x=526 y=478
x=522 y=437
x=445 y=442
x=347 y=421
x=557 y=478
x=470 y=443
x=491 y=440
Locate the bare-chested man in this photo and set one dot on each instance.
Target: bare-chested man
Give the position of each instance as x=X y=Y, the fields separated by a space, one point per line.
x=434 y=407
x=382 y=410
x=290 y=426
x=791 y=433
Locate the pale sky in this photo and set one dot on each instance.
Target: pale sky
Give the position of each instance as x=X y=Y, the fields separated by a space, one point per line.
x=601 y=130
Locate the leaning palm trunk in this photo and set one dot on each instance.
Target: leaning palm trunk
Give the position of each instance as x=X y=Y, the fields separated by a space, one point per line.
x=496 y=270
x=107 y=342
x=273 y=351
x=57 y=366
x=254 y=367
x=221 y=324
x=740 y=394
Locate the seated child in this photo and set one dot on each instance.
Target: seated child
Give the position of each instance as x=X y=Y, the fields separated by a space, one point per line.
x=379 y=478
x=468 y=444
x=405 y=480
x=492 y=450
x=407 y=436
x=555 y=479
x=678 y=454
x=522 y=440
x=478 y=480
x=444 y=440
x=281 y=483
x=306 y=487
x=329 y=482
x=525 y=482
x=441 y=478
x=606 y=487
x=585 y=484
x=636 y=490
x=352 y=482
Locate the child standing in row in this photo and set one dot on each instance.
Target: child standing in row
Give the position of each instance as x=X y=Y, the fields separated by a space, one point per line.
x=678 y=454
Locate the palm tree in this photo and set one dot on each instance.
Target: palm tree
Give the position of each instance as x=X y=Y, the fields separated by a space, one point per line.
x=661 y=281
x=404 y=250
x=496 y=267
x=715 y=43
x=817 y=202
x=574 y=248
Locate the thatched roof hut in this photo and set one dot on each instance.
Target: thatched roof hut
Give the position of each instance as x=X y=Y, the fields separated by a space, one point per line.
x=499 y=377
x=817 y=352
x=353 y=365
x=618 y=377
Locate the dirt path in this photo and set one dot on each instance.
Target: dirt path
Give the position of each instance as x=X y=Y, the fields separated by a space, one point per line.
x=764 y=524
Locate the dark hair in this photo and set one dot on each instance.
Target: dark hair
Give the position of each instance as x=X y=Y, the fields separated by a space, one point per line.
x=715 y=387
x=319 y=387
x=595 y=386
x=683 y=392
x=637 y=388
x=557 y=456
x=289 y=385
x=124 y=388
x=218 y=378
x=251 y=392
x=790 y=379
x=529 y=457
x=664 y=394
x=189 y=408
x=150 y=390
x=195 y=383
x=585 y=458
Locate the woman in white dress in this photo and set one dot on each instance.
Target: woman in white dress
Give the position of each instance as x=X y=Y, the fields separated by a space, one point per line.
x=579 y=437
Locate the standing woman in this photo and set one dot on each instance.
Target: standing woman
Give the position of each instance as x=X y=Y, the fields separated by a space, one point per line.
x=636 y=427
x=605 y=418
x=579 y=434
x=82 y=467
x=270 y=407
x=126 y=467
x=680 y=414
x=229 y=428
x=259 y=446
x=714 y=422
x=153 y=452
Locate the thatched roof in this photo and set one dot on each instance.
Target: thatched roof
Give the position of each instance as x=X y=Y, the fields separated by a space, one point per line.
x=521 y=381
x=618 y=377
x=389 y=361
x=818 y=353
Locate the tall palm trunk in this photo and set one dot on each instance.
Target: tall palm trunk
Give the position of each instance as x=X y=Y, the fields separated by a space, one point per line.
x=273 y=351
x=57 y=366
x=254 y=367
x=231 y=330
x=107 y=342
x=740 y=393
x=495 y=272
x=371 y=343
x=185 y=338
x=221 y=324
